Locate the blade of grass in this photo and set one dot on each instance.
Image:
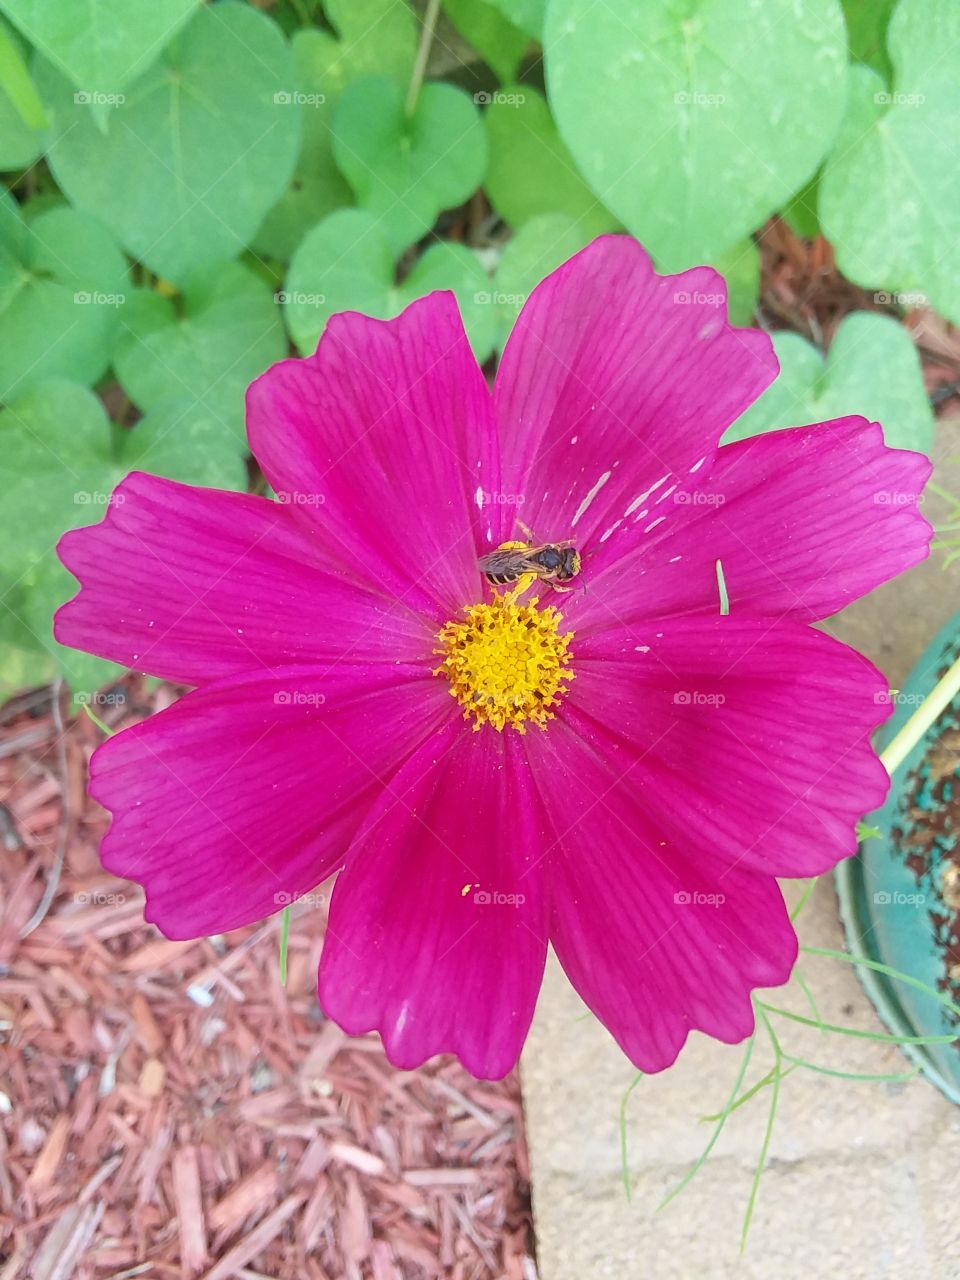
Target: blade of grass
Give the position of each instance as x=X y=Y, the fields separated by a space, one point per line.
x=624 y=1167
x=805 y=898
x=284 y=943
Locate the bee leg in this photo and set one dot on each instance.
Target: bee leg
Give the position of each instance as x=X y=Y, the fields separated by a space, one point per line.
x=526 y=531
x=524 y=583
x=556 y=586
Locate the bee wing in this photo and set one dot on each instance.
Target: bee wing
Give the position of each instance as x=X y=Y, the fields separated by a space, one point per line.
x=501 y=561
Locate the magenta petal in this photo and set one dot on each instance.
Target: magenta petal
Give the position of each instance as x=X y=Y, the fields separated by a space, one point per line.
x=744 y=739
x=615 y=383
x=384 y=442
x=654 y=939
x=437 y=936
x=246 y=793
x=196 y=584
x=803 y=521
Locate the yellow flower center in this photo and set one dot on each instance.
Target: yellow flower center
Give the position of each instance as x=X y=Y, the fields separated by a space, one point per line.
x=507 y=663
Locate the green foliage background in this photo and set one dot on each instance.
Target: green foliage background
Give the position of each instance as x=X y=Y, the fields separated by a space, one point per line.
x=193 y=188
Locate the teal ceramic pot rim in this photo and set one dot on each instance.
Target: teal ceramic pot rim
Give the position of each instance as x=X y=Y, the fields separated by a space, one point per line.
x=877 y=891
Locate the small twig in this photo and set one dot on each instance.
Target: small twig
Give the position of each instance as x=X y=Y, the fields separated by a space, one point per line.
x=940 y=395
x=53 y=880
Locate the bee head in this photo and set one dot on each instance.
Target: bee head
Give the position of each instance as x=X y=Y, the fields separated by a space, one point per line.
x=570 y=563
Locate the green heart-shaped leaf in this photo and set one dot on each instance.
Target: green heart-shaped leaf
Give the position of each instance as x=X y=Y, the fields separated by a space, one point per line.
x=62 y=285
x=197 y=152
x=528 y=15
x=888 y=198
x=346 y=263
x=531 y=171
x=21 y=111
x=226 y=330
x=495 y=38
x=872 y=369
x=374 y=37
x=24 y=659
x=694 y=122
x=104 y=45
x=407 y=169
x=60 y=461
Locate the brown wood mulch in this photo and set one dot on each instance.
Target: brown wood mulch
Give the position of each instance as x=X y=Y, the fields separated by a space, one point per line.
x=169 y=1109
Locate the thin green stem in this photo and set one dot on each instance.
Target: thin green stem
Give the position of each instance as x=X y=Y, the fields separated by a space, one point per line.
x=104 y=728
x=767 y=1133
x=850 y=1075
x=885 y=969
x=809 y=996
x=805 y=898
x=926 y=715
x=750 y=1093
x=852 y=1031
x=423 y=56
x=731 y=1101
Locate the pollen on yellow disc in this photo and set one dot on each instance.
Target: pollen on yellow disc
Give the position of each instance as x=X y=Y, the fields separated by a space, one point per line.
x=507 y=663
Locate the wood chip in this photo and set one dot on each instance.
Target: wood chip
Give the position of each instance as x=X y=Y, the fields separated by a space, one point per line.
x=257 y=1239
x=186 y=1195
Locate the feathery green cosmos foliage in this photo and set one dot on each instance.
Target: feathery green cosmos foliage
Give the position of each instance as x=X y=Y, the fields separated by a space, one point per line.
x=193 y=189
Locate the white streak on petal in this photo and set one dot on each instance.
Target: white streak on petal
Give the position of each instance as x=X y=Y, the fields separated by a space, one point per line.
x=590 y=497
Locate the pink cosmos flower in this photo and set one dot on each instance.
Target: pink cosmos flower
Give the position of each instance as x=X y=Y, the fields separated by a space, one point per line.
x=621 y=771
